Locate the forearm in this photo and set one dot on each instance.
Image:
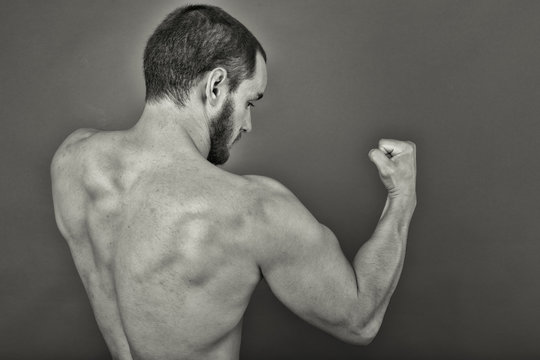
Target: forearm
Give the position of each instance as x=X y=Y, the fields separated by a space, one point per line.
x=379 y=261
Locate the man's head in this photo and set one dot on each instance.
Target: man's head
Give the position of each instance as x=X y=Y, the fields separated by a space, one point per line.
x=200 y=43
x=233 y=115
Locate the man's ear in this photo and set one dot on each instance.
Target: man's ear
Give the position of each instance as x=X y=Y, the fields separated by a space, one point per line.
x=216 y=86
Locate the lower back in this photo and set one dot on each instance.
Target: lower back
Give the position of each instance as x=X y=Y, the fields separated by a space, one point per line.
x=182 y=281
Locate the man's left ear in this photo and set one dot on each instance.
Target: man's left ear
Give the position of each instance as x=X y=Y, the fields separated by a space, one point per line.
x=216 y=86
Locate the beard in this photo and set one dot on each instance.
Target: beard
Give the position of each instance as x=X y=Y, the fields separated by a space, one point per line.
x=221 y=130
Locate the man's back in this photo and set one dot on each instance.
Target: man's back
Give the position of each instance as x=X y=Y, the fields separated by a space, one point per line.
x=164 y=248
x=170 y=247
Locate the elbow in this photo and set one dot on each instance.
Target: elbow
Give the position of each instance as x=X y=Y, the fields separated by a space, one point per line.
x=362 y=336
x=361 y=333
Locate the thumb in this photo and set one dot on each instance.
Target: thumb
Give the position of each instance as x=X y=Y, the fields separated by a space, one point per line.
x=380 y=160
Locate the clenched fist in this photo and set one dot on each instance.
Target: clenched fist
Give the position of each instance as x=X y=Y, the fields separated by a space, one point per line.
x=396 y=162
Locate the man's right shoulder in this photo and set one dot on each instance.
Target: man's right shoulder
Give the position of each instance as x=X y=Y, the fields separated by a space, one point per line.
x=70 y=149
x=68 y=165
x=67 y=168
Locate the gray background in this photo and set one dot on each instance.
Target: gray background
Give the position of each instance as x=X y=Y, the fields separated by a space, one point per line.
x=460 y=78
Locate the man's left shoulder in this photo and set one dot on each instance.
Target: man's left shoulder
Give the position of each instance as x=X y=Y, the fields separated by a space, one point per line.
x=282 y=222
x=266 y=185
x=279 y=205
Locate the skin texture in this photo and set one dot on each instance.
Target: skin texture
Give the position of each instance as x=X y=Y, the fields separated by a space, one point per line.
x=170 y=247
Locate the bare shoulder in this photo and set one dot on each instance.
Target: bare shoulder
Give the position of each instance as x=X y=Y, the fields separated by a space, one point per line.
x=67 y=169
x=70 y=149
x=284 y=222
x=265 y=183
x=265 y=186
x=279 y=203
x=269 y=194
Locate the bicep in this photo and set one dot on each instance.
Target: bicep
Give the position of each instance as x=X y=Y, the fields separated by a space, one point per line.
x=307 y=270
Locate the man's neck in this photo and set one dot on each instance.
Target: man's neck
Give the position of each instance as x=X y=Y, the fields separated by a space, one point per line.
x=165 y=126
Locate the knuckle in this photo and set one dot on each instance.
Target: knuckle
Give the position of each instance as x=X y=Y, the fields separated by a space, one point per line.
x=409 y=146
x=389 y=170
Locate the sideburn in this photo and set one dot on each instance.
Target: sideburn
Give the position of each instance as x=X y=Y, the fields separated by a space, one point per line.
x=221 y=130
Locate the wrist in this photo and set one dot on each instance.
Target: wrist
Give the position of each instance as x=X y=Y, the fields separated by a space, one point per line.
x=403 y=201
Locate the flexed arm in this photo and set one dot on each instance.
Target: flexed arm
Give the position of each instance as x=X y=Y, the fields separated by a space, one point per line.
x=379 y=261
x=306 y=269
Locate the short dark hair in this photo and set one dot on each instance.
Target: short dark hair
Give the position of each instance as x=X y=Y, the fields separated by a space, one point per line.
x=192 y=40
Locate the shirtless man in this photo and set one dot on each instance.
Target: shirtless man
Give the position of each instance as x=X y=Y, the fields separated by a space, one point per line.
x=170 y=247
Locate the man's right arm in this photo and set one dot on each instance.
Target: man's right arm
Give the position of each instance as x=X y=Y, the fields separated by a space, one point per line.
x=66 y=169
x=306 y=269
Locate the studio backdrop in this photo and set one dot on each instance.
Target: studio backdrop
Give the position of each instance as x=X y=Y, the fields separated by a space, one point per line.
x=459 y=78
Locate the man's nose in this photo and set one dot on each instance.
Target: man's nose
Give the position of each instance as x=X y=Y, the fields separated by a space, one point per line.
x=247 y=125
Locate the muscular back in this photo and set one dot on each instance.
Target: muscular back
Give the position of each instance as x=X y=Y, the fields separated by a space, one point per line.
x=163 y=247
x=170 y=248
